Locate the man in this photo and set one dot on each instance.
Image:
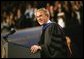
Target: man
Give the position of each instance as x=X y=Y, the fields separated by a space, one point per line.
x=52 y=43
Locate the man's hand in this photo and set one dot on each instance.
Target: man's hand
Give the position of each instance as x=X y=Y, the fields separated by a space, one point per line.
x=35 y=48
x=68 y=40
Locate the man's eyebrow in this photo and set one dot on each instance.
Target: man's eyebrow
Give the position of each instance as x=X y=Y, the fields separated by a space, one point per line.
x=39 y=16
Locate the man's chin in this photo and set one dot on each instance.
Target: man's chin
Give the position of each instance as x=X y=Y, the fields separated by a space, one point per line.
x=41 y=23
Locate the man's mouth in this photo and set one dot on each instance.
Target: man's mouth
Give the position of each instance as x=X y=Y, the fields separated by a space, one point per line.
x=40 y=20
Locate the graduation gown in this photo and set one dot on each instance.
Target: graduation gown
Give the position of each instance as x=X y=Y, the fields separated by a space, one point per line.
x=53 y=42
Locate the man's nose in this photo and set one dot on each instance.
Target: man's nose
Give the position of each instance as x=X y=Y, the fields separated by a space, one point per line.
x=39 y=18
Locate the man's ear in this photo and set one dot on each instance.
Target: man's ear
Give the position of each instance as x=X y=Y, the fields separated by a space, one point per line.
x=47 y=15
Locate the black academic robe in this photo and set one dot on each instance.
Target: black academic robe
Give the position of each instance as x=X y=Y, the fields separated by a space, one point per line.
x=53 y=42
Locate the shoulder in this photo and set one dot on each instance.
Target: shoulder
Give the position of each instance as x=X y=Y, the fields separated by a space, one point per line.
x=53 y=24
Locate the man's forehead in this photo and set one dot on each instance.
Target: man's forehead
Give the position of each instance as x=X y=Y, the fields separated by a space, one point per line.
x=39 y=12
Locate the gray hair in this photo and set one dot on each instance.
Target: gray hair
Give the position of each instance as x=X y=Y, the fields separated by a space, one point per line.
x=44 y=10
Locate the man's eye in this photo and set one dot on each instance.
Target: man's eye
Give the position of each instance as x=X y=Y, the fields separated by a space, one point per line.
x=39 y=15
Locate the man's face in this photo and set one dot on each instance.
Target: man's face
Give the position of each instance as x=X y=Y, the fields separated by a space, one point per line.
x=42 y=18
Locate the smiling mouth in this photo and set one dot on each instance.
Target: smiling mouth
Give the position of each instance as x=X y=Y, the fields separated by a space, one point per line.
x=40 y=20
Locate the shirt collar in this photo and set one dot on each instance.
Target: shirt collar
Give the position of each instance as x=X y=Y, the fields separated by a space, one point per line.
x=48 y=21
x=46 y=24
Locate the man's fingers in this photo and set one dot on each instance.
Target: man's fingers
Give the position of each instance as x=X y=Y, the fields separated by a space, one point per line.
x=34 y=49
